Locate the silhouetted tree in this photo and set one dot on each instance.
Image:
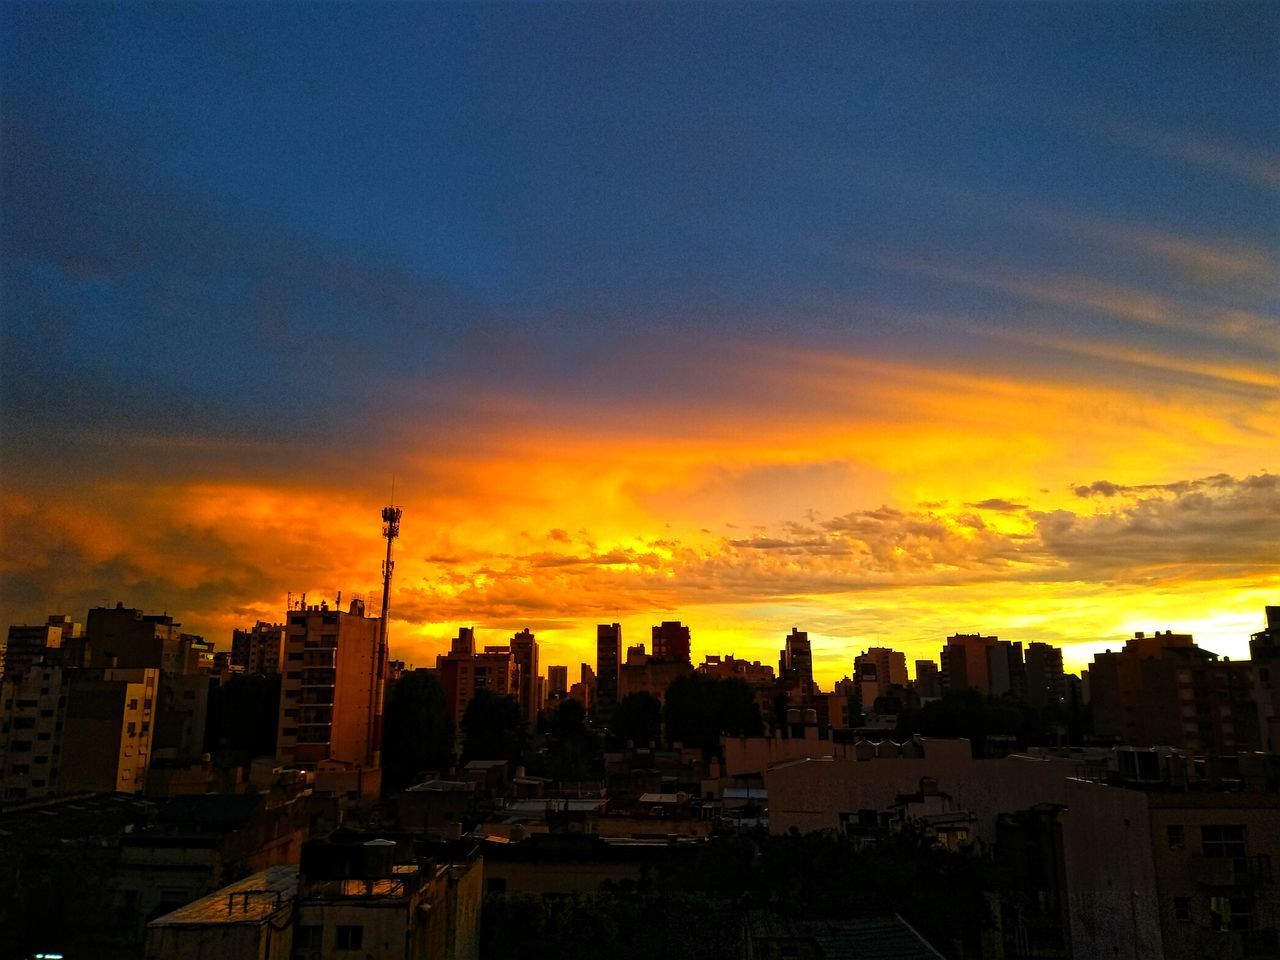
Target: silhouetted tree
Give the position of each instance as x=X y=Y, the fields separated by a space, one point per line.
x=969 y=714
x=572 y=749
x=492 y=728
x=699 y=709
x=638 y=718
x=416 y=732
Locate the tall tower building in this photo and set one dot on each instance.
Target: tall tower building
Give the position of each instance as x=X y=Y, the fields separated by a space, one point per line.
x=1045 y=685
x=965 y=662
x=524 y=650
x=29 y=645
x=671 y=642
x=259 y=649
x=330 y=680
x=1264 y=653
x=795 y=665
x=608 y=666
x=124 y=638
x=557 y=680
x=875 y=670
x=1006 y=672
x=462 y=672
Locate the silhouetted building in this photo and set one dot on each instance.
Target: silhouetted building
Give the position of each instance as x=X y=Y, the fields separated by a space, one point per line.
x=1163 y=690
x=327 y=694
x=875 y=671
x=259 y=649
x=1006 y=673
x=1045 y=686
x=795 y=667
x=524 y=652
x=965 y=662
x=671 y=642
x=645 y=674
x=557 y=680
x=463 y=671
x=126 y=638
x=608 y=665
x=1264 y=651
x=928 y=680
x=28 y=645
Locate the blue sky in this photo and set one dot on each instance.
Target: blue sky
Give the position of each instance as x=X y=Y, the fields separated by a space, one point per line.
x=393 y=236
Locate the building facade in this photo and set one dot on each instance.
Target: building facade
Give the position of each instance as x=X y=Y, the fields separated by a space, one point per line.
x=327 y=694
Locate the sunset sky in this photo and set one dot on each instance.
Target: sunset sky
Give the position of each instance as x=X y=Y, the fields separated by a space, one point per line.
x=881 y=321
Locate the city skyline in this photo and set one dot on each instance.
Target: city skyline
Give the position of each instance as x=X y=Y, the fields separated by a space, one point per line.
x=882 y=322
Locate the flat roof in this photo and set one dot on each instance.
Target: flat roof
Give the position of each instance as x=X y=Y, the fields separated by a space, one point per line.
x=251 y=900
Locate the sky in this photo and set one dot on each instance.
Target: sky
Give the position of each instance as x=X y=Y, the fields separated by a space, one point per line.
x=883 y=321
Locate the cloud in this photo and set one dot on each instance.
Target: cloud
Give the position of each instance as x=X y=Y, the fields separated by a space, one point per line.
x=997 y=503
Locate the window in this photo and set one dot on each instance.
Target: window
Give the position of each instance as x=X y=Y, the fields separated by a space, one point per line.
x=133 y=704
x=1230 y=913
x=1225 y=840
x=350 y=938
x=309 y=936
x=295 y=656
x=496 y=885
x=1182 y=909
x=1176 y=836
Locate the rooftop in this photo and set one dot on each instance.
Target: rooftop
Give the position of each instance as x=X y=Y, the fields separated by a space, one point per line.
x=253 y=900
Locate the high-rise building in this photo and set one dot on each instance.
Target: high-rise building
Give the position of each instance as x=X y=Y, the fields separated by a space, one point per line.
x=1044 y=675
x=608 y=666
x=645 y=674
x=260 y=649
x=1163 y=690
x=106 y=738
x=28 y=645
x=965 y=664
x=875 y=671
x=1006 y=673
x=795 y=666
x=126 y=638
x=327 y=694
x=1264 y=652
x=32 y=715
x=462 y=672
x=557 y=680
x=671 y=642
x=524 y=651
x=928 y=680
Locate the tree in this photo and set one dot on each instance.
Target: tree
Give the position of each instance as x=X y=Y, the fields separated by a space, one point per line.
x=416 y=733
x=699 y=709
x=638 y=719
x=572 y=750
x=492 y=728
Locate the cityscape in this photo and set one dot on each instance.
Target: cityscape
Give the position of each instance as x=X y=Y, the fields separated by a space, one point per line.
x=736 y=480
x=295 y=791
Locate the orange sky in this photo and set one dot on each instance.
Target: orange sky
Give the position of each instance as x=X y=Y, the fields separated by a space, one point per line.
x=753 y=316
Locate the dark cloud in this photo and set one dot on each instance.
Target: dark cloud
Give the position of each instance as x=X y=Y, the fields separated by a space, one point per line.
x=996 y=503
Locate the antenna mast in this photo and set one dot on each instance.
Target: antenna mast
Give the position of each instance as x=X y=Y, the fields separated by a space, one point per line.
x=390 y=529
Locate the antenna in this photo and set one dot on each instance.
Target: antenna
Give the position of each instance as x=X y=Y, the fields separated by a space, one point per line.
x=390 y=529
